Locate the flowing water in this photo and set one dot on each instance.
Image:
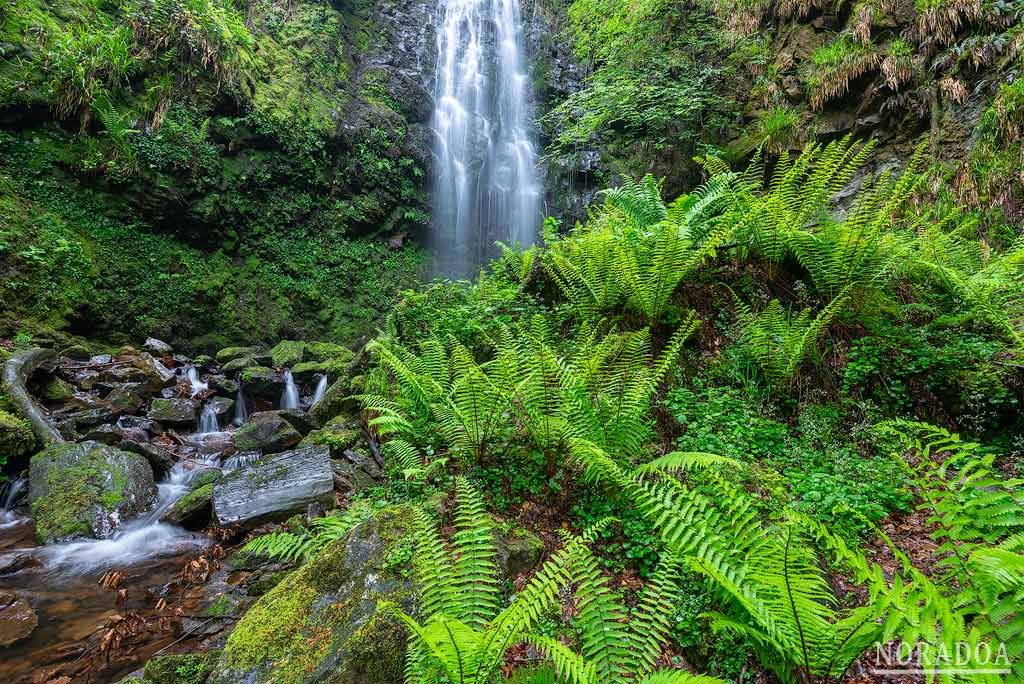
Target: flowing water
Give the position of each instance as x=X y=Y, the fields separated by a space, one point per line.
x=321 y=389
x=12 y=491
x=486 y=186
x=208 y=420
x=193 y=378
x=241 y=414
x=290 y=396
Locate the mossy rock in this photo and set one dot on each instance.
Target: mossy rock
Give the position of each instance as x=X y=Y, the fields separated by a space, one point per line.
x=16 y=436
x=287 y=353
x=194 y=508
x=231 y=353
x=223 y=606
x=340 y=433
x=519 y=551
x=322 y=623
x=87 y=489
x=269 y=432
x=335 y=402
x=328 y=351
x=58 y=390
x=235 y=365
x=172 y=411
x=190 y=668
x=261 y=381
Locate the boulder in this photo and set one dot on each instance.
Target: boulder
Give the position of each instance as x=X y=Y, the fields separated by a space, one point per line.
x=267 y=431
x=221 y=384
x=354 y=472
x=172 y=411
x=232 y=353
x=235 y=365
x=76 y=352
x=339 y=434
x=273 y=485
x=288 y=353
x=85 y=379
x=87 y=488
x=89 y=417
x=105 y=434
x=193 y=509
x=262 y=382
x=323 y=622
x=17 y=619
x=323 y=351
x=204 y=362
x=158 y=347
x=519 y=551
x=300 y=420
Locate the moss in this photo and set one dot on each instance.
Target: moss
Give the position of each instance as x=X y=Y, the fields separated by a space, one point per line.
x=296 y=625
x=336 y=436
x=324 y=351
x=58 y=390
x=222 y=607
x=192 y=668
x=255 y=374
x=288 y=353
x=231 y=353
x=16 y=436
x=265 y=583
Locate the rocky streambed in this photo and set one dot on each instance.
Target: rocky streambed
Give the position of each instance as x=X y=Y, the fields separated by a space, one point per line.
x=149 y=468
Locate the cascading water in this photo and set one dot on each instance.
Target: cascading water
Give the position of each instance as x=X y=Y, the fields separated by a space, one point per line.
x=290 y=396
x=321 y=389
x=208 y=420
x=241 y=414
x=485 y=178
x=12 y=493
x=193 y=378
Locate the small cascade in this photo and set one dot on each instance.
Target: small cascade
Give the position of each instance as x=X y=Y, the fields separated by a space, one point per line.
x=193 y=379
x=241 y=414
x=321 y=389
x=12 y=493
x=208 y=420
x=290 y=396
x=240 y=460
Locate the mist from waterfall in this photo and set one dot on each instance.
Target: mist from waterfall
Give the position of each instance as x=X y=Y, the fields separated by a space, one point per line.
x=485 y=185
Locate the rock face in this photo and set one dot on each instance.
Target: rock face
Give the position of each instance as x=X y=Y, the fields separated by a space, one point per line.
x=322 y=623
x=17 y=619
x=87 y=489
x=269 y=432
x=273 y=485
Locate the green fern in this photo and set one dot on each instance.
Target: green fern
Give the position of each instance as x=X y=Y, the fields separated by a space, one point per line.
x=304 y=544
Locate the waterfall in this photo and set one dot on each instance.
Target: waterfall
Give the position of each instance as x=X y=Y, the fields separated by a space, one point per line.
x=193 y=379
x=290 y=396
x=208 y=420
x=485 y=177
x=241 y=415
x=12 y=493
x=321 y=389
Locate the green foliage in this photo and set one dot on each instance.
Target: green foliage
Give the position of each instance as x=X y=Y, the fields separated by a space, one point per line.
x=833 y=66
x=306 y=543
x=464 y=637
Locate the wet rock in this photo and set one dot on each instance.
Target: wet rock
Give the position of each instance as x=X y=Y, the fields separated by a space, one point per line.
x=127 y=398
x=87 y=489
x=204 y=362
x=354 y=472
x=105 y=434
x=287 y=353
x=322 y=623
x=57 y=390
x=11 y=563
x=274 y=485
x=172 y=411
x=339 y=434
x=160 y=460
x=267 y=431
x=100 y=359
x=156 y=374
x=223 y=385
x=193 y=510
x=76 y=352
x=232 y=353
x=299 y=420
x=85 y=379
x=89 y=417
x=158 y=347
x=17 y=619
x=222 y=406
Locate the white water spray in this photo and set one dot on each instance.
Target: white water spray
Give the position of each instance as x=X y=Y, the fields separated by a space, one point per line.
x=290 y=396
x=485 y=177
x=193 y=379
x=321 y=389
